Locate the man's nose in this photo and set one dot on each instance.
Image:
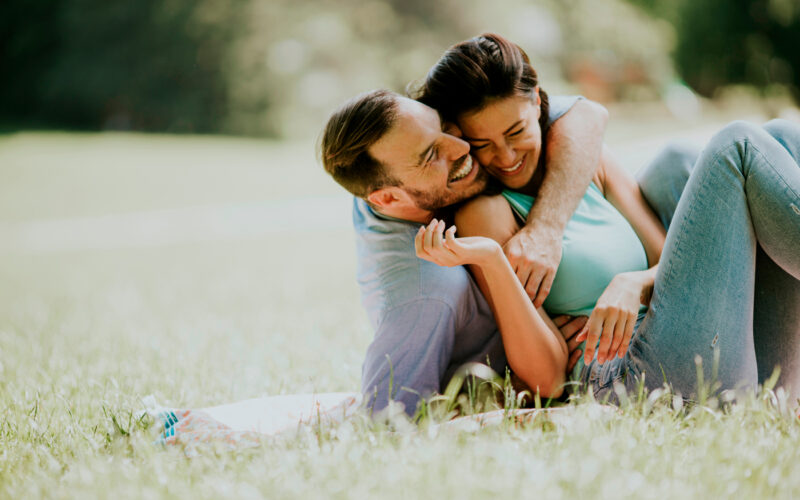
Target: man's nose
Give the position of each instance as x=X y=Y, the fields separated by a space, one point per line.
x=458 y=147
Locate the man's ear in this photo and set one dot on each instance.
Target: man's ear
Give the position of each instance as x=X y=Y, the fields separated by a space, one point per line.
x=387 y=197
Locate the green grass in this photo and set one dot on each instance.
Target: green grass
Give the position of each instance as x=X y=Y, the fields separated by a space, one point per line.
x=85 y=334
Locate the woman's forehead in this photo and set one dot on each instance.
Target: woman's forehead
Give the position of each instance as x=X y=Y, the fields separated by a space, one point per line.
x=498 y=116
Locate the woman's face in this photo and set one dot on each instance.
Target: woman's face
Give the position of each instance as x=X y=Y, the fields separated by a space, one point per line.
x=506 y=138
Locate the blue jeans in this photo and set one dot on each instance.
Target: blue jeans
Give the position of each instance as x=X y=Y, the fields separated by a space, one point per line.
x=728 y=283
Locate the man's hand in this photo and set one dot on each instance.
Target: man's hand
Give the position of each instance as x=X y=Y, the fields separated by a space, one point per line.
x=534 y=255
x=570 y=326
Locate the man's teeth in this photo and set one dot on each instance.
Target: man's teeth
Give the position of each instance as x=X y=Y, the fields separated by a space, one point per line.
x=463 y=170
x=515 y=167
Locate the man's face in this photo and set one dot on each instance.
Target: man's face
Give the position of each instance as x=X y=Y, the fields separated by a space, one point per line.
x=434 y=167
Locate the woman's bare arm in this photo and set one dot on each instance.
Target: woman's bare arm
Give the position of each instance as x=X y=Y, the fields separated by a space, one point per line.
x=535 y=348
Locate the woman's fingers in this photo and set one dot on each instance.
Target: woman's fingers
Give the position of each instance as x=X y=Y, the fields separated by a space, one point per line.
x=607 y=336
x=427 y=240
x=594 y=328
x=626 y=340
x=619 y=334
x=418 y=243
x=431 y=243
x=450 y=241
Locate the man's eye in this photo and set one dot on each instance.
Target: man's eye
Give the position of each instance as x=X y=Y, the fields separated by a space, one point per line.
x=433 y=156
x=477 y=147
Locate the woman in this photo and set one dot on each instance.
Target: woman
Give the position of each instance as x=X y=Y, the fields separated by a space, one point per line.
x=743 y=194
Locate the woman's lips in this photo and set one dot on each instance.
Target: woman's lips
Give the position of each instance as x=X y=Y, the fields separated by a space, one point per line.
x=514 y=168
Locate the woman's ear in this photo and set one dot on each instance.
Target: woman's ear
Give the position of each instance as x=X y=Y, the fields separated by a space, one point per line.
x=538 y=97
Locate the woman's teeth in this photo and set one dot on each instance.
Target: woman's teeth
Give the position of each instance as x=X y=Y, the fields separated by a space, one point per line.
x=511 y=170
x=463 y=170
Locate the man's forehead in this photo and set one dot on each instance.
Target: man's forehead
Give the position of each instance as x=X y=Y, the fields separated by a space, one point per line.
x=414 y=130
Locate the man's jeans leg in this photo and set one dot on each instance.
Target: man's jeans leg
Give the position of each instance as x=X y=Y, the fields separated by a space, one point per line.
x=745 y=189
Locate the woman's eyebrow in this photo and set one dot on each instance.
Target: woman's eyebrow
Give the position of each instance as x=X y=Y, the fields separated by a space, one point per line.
x=509 y=129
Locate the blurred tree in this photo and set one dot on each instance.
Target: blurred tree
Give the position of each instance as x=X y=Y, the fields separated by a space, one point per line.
x=278 y=67
x=148 y=65
x=720 y=42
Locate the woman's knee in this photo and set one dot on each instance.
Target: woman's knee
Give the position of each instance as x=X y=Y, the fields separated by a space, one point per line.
x=787 y=133
x=736 y=132
x=779 y=127
x=732 y=141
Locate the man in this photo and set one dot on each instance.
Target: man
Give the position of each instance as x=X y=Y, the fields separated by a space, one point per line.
x=394 y=155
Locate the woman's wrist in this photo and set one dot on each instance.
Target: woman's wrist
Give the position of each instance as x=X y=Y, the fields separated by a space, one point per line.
x=643 y=280
x=493 y=259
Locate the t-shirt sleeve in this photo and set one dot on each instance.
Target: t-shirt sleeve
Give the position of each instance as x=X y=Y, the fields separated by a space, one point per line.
x=409 y=355
x=560 y=104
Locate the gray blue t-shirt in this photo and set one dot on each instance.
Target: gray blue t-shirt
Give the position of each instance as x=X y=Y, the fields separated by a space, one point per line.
x=428 y=319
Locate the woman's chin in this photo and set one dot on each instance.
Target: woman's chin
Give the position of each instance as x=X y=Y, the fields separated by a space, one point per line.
x=516 y=181
x=513 y=182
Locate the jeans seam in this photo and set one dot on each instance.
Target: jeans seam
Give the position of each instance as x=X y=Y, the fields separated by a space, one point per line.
x=679 y=238
x=771 y=166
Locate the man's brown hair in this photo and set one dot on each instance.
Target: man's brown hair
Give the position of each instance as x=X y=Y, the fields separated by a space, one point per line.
x=351 y=131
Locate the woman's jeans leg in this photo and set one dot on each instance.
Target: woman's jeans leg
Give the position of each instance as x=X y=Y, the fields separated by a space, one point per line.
x=744 y=189
x=776 y=311
x=662 y=180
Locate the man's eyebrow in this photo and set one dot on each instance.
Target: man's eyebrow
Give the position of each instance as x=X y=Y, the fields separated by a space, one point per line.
x=424 y=154
x=509 y=129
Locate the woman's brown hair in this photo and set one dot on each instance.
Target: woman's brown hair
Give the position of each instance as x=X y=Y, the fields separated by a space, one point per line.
x=476 y=71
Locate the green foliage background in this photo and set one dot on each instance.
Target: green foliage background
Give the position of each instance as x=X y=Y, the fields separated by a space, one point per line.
x=721 y=42
x=278 y=67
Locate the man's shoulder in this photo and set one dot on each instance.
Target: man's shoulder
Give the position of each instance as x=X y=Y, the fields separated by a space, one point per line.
x=389 y=272
x=558 y=105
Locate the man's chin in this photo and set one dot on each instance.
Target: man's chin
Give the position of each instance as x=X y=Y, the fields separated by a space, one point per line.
x=478 y=185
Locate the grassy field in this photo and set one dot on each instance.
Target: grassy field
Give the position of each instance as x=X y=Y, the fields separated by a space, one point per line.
x=98 y=311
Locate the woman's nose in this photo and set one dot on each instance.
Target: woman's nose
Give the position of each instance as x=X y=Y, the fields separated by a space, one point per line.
x=504 y=156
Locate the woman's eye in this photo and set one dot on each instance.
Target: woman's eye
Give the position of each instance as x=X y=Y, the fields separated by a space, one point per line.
x=476 y=147
x=514 y=134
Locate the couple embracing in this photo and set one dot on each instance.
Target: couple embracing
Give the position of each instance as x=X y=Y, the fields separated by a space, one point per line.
x=577 y=274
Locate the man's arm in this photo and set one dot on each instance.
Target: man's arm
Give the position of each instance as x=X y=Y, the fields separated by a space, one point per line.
x=409 y=355
x=574 y=144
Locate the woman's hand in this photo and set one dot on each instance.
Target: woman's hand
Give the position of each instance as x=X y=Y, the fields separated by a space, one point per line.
x=432 y=243
x=614 y=317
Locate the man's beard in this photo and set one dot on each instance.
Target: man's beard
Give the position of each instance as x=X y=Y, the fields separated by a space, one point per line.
x=433 y=200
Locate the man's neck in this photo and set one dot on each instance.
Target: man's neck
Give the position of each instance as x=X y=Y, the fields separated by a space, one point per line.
x=417 y=215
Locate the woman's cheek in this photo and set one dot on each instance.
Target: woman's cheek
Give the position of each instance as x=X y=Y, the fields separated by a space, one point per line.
x=484 y=157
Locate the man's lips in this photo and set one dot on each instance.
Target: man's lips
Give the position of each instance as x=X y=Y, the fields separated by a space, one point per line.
x=464 y=170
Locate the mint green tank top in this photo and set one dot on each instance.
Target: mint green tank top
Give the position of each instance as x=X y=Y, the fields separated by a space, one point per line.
x=598 y=244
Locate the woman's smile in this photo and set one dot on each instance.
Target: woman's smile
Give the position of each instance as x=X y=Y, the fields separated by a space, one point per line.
x=514 y=169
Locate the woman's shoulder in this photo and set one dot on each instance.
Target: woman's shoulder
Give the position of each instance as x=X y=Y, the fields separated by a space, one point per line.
x=486 y=215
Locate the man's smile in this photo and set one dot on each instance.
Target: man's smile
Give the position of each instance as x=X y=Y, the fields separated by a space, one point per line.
x=466 y=167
